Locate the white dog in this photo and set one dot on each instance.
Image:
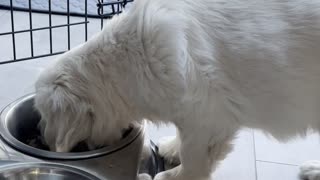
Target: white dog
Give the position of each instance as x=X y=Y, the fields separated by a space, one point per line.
x=210 y=67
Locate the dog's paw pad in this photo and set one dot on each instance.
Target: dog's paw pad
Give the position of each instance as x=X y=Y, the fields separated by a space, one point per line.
x=310 y=170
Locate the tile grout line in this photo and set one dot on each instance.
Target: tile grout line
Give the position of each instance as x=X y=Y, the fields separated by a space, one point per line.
x=279 y=163
x=255 y=156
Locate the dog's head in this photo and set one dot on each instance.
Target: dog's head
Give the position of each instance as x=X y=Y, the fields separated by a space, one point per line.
x=68 y=115
x=66 y=119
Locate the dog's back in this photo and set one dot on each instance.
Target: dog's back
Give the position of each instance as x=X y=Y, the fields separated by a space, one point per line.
x=265 y=58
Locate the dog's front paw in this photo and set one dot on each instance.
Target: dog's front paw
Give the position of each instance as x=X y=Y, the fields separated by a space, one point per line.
x=172 y=174
x=310 y=170
x=169 y=150
x=177 y=174
x=144 y=177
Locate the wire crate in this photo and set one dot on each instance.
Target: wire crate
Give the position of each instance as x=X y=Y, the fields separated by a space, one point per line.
x=104 y=9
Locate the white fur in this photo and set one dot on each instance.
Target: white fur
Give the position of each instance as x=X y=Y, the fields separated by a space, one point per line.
x=144 y=177
x=208 y=66
x=170 y=149
x=310 y=170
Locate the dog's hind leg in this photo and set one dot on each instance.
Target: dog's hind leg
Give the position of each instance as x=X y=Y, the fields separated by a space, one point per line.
x=310 y=170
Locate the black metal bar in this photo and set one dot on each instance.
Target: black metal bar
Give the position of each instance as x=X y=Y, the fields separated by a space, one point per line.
x=118 y=7
x=30 y=25
x=50 y=27
x=12 y=29
x=43 y=28
x=68 y=22
x=102 y=13
x=125 y=2
x=86 y=19
x=108 y=16
x=101 y=4
x=115 y=2
x=113 y=10
x=30 y=58
x=46 y=12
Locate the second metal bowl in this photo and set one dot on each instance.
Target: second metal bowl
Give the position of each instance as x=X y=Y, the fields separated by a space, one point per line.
x=42 y=171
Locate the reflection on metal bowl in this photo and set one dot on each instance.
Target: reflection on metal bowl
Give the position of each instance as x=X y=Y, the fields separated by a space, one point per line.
x=43 y=171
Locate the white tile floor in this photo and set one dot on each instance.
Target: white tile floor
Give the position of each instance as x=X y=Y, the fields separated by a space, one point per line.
x=255 y=157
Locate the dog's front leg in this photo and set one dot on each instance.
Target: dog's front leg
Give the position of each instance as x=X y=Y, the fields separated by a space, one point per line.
x=169 y=149
x=199 y=154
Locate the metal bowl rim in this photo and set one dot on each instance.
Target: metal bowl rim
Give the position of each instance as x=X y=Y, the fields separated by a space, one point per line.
x=58 y=166
x=34 y=152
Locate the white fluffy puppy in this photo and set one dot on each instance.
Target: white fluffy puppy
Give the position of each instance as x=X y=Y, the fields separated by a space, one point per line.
x=208 y=66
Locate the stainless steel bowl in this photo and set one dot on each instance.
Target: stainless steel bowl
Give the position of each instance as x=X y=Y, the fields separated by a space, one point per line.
x=42 y=171
x=20 y=119
x=121 y=160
